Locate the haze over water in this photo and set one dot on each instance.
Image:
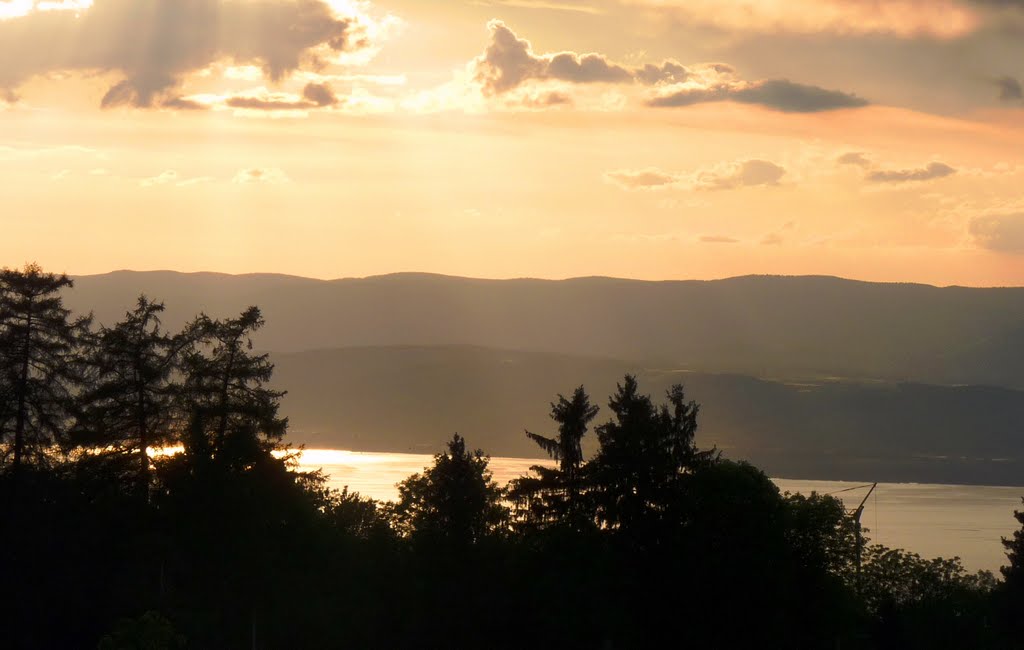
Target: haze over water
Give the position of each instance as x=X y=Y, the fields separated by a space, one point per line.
x=931 y=520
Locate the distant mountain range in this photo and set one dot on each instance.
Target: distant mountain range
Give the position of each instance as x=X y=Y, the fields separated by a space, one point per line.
x=777 y=327
x=809 y=377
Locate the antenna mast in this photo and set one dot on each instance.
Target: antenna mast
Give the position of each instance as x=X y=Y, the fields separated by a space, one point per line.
x=855 y=515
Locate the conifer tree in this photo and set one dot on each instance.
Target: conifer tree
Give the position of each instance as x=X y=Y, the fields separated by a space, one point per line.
x=234 y=415
x=130 y=405
x=40 y=364
x=553 y=495
x=454 y=501
x=645 y=451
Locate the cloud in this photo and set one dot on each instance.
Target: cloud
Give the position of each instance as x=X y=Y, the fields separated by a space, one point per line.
x=931 y=171
x=777 y=94
x=163 y=178
x=642 y=179
x=183 y=104
x=751 y=173
x=259 y=176
x=545 y=100
x=313 y=96
x=509 y=61
x=718 y=239
x=854 y=158
x=668 y=72
x=169 y=177
x=904 y=18
x=1009 y=89
x=1000 y=233
x=542 y=4
x=156 y=44
x=772 y=239
x=727 y=176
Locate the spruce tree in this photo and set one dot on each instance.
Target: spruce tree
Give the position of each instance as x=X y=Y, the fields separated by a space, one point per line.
x=233 y=414
x=645 y=452
x=553 y=495
x=455 y=501
x=130 y=405
x=40 y=365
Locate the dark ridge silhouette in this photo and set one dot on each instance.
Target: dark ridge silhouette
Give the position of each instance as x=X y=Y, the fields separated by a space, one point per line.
x=764 y=326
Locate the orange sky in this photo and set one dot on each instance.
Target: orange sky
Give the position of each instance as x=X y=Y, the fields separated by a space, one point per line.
x=654 y=139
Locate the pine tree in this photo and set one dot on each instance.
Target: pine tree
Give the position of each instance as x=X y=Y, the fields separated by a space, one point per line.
x=130 y=405
x=40 y=364
x=234 y=416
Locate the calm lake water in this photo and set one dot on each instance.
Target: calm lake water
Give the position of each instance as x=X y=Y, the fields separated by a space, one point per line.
x=932 y=520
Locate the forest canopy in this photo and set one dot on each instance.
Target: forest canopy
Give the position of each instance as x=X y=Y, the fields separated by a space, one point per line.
x=227 y=544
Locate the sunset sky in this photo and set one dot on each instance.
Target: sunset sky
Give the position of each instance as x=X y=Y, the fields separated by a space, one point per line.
x=655 y=139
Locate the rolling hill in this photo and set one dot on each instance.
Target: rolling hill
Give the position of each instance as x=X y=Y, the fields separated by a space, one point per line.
x=771 y=327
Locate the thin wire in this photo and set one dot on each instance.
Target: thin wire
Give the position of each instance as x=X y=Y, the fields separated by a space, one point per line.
x=856 y=487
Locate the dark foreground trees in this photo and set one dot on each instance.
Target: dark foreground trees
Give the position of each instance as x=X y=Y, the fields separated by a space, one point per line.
x=39 y=364
x=651 y=542
x=453 y=503
x=130 y=400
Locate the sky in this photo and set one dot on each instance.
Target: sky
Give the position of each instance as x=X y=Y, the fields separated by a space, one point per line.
x=657 y=139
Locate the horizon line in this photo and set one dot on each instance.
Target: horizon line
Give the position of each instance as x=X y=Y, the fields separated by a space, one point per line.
x=525 y=278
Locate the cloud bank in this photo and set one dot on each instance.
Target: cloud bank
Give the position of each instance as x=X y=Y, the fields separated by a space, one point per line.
x=904 y=18
x=727 y=176
x=1000 y=233
x=155 y=44
x=509 y=61
x=931 y=171
x=777 y=94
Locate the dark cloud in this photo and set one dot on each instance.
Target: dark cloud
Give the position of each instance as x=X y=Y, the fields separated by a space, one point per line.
x=585 y=68
x=319 y=94
x=1001 y=233
x=777 y=94
x=154 y=44
x=1000 y=4
x=509 y=61
x=931 y=171
x=182 y=104
x=313 y=96
x=854 y=158
x=668 y=72
x=1009 y=89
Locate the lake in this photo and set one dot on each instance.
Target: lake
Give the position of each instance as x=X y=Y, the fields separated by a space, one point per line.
x=932 y=520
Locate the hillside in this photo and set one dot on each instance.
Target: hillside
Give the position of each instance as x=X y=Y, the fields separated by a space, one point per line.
x=410 y=398
x=771 y=327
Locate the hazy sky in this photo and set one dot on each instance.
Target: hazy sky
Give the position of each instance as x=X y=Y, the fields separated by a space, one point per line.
x=658 y=139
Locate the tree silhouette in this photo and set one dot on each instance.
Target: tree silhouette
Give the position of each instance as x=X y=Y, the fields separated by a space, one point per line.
x=39 y=363
x=130 y=404
x=645 y=451
x=233 y=414
x=455 y=501
x=553 y=495
x=1014 y=571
